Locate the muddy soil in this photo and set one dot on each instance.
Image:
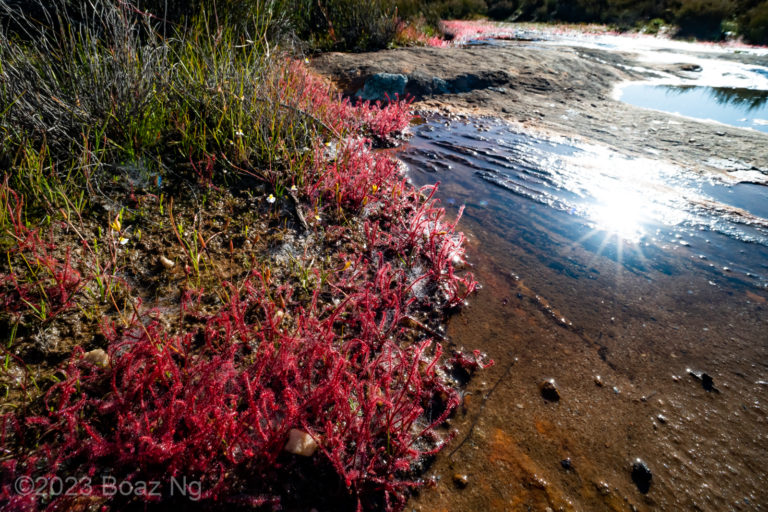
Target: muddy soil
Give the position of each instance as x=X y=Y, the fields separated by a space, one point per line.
x=660 y=376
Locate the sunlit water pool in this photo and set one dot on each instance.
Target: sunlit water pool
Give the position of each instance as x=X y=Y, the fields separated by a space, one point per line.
x=735 y=106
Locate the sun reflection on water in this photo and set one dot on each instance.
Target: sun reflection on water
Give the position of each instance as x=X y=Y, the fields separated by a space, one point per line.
x=623 y=197
x=620 y=212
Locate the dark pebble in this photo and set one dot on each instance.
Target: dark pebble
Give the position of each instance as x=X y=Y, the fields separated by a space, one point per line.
x=567 y=464
x=707 y=382
x=549 y=390
x=641 y=475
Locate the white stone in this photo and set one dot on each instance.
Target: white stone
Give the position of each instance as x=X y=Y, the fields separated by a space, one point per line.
x=300 y=443
x=97 y=357
x=166 y=262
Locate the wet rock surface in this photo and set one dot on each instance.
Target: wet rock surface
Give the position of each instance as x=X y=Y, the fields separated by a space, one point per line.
x=557 y=90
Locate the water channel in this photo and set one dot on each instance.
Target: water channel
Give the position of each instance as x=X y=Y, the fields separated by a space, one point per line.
x=640 y=288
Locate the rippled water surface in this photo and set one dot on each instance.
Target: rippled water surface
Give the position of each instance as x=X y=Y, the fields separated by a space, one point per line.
x=636 y=211
x=635 y=285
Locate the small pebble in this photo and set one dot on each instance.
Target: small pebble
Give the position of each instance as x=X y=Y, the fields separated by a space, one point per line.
x=165 y=262
x=549 y=390
x=641 y=475
x=300 y=443
x=460 y=480
x=97 y=357
x=598 y=381
x=566 y=464
x=603 y=488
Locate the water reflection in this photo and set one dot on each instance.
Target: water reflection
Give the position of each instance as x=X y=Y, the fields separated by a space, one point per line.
x=730 y=105
x=749 y=99
x=619 y=212
x=601 y=268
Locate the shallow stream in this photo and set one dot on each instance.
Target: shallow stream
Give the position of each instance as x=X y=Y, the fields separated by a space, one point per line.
x=640 y=288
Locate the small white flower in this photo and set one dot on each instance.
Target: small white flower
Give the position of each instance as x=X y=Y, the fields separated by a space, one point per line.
x=293 y=188
x=270 y=199
x=306 y=60
x=122 y=240
x=317 y=218
x=238 y=133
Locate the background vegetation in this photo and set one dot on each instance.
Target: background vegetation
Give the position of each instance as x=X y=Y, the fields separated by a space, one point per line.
x=348 y=25
x=706 y=19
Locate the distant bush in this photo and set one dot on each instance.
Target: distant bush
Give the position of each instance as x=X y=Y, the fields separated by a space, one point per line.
x=419 y=10
x=461 y=9
x=703 y=18
x=345 y=24
x=502 y=10
x=653 y=26
x=754 y=24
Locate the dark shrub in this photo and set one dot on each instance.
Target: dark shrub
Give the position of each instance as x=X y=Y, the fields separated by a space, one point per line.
x=462 y=9
x=703 y=18
x=754 y=24
x=502 y=10
x=345 y=24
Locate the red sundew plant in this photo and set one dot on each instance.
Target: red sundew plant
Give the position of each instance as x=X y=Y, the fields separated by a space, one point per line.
x=46 y=285
x=409 y=34
x=354 y=175
x=462 y=31
x=382 y=120
x=216 y=403
x=309 y=93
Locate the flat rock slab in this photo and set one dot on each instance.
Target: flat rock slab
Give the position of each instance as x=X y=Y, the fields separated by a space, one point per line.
x=552 y=90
